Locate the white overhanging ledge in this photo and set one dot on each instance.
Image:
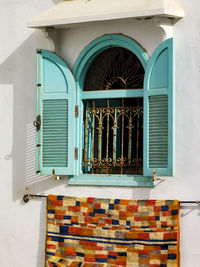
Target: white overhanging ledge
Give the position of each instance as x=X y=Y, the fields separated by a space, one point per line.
x=71 y=12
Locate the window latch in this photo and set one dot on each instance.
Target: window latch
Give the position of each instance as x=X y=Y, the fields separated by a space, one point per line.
x=76 y=153
x=37 y=122
x=76 y=111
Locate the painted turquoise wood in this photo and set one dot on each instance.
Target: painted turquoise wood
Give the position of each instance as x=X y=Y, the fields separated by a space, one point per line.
x=80 y=69
x=159 y=111
x=112 y=94
x=120 y=93
x=55 y=104
x=111 y=180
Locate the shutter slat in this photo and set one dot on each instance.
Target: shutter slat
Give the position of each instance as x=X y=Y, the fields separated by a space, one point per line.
x=55 y=134
x=158 y=131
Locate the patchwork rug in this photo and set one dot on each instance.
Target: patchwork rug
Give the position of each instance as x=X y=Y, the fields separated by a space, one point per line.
x=92 y=232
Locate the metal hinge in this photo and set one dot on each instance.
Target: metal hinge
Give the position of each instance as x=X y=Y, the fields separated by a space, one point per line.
x=76 y=153
x=76 y=111
x=37 y=122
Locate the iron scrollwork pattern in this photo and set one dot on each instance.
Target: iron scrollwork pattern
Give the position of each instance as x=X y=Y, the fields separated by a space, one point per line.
x=112 y=139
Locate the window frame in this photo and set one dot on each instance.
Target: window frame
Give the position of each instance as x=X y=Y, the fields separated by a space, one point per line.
x=79 y=71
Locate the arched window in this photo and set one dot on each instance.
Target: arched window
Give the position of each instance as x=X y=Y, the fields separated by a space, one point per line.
x=112 y=116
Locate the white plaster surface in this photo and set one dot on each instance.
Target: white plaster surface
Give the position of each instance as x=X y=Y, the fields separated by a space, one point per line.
x=79 y=11
x=22 y=226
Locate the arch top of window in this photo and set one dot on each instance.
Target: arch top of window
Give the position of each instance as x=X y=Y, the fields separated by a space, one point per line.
x=100 y=47
x=115 y=68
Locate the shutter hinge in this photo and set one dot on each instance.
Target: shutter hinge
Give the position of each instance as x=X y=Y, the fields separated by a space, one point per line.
x=37 y=122
x=76 y=111
x=76 y=153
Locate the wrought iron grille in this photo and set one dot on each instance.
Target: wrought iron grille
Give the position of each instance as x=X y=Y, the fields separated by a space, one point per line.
x=115 y=68
x=113 y=136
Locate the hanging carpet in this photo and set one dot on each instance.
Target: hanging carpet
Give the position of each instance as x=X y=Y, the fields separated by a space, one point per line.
x=93 y=232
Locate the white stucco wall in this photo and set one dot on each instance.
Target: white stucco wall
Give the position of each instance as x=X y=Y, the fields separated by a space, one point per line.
x=22 y=226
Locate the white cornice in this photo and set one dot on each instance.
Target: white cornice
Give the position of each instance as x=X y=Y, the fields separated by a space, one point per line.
x=72 y=12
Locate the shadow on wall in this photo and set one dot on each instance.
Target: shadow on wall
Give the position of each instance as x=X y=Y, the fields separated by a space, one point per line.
x=189 y=209
x=58 y=1
x=19 y=69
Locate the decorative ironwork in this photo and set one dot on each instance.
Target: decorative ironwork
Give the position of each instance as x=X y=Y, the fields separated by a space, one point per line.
x=115 y=68
x=113 y=138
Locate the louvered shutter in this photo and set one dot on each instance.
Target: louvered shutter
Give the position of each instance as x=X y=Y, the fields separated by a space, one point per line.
x=159 y=111
x=55 y=105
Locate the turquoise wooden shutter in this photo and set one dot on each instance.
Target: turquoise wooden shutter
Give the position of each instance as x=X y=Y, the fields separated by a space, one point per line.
x=159 y=111
x=55 y=105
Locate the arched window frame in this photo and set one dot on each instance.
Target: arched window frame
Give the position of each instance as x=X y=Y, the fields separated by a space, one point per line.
x=79 y=71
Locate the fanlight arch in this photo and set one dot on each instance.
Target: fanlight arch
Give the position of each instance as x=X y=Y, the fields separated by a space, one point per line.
x=93 y=49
